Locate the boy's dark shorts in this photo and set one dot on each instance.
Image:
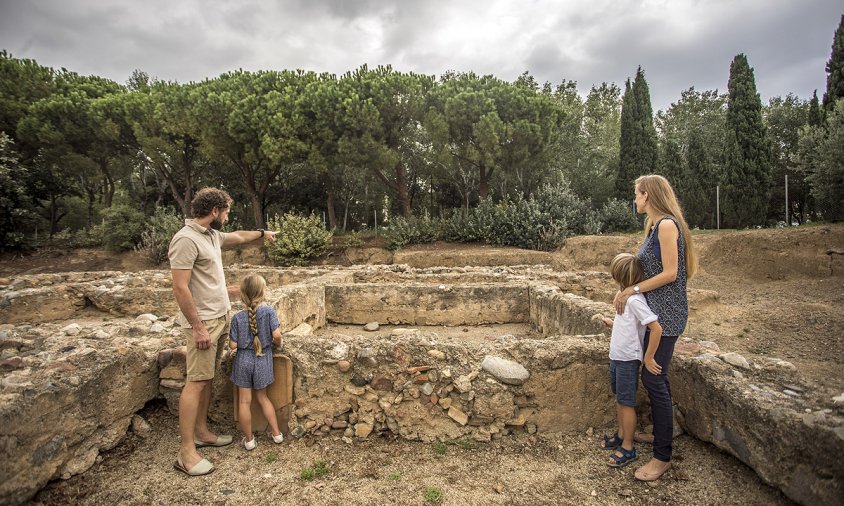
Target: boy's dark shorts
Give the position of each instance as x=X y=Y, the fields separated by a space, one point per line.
x=624 y=380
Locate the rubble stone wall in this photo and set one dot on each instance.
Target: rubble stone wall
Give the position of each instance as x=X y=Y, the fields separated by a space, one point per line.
x=67 y=397
x=400 y=304
x=795 y=451
x=555 y=312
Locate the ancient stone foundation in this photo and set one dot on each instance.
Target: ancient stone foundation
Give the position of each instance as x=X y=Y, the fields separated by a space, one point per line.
x=78 y=361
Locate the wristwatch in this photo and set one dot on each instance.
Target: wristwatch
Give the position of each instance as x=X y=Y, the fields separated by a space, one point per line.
x=636 y=289
x=262 y=232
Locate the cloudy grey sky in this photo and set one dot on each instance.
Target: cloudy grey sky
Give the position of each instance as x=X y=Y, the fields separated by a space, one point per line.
x=679 y=43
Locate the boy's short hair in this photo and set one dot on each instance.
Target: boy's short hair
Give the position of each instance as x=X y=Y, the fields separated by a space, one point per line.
x=626 y=270
x=208 y=199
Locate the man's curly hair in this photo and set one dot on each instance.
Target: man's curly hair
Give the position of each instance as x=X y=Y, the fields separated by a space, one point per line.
x=208 y=199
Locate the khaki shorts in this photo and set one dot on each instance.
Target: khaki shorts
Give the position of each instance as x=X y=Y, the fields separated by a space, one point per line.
x=201 y=364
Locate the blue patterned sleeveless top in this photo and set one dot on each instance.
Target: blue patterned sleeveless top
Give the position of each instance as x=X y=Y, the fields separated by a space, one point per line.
x=669 y=301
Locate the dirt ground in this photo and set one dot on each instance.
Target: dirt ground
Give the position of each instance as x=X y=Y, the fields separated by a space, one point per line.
x=772 y=293
x=525 y=469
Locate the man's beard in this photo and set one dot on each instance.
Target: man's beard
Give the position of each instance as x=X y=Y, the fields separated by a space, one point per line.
x=216 y=224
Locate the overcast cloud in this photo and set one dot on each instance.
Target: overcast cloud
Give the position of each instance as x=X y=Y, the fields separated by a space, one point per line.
x=679 y=43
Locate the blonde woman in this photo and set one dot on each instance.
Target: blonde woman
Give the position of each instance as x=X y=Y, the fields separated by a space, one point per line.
x=253 y=333
x=669 y=260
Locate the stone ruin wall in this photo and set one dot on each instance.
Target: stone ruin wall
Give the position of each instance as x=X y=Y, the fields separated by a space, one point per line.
x=85 y=381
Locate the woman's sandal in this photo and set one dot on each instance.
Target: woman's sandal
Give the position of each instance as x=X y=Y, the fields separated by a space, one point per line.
x=611 y=443
x=626 y=457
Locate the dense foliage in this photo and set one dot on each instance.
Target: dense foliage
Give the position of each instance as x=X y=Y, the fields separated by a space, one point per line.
x=461 y=157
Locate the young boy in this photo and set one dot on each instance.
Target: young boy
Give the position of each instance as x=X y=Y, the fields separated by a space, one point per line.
x=628 y=334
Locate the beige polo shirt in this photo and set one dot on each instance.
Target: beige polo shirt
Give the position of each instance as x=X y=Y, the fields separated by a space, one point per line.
x=198 y=248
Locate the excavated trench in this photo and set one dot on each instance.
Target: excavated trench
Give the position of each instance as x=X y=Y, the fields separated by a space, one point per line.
x=459 y=353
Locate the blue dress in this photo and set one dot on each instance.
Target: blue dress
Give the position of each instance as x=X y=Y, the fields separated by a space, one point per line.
x=248 y=369
x=669 y=301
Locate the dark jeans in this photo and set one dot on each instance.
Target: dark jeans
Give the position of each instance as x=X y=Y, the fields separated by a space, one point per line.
x=659 y=393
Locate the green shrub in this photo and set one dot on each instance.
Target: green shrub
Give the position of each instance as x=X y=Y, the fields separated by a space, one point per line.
x=320 y=468
x=572 y=214
x=402 y=232
x=123 y=227
x=433 y=495
x=618 y=216
x=352 y=240
x=439 y=448
x=92 y=238
x=299 y=239
x=306 y=474
x=159 y=230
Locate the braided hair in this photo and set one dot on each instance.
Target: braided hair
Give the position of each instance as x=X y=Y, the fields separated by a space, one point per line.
x=252 y=294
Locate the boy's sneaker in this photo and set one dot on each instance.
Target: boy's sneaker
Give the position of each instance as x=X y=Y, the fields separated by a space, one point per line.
x=250 y=445
x=278 y=439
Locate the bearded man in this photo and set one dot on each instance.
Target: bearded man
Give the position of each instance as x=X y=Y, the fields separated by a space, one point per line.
x=199 y=285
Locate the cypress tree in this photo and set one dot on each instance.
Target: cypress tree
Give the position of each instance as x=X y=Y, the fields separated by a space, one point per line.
x=638 y=144
x=815 y=117
x=747 y=156
x=696 y=191
x=835 y=70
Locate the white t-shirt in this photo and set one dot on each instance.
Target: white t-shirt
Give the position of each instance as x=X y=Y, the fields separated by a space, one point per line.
x=628 y=329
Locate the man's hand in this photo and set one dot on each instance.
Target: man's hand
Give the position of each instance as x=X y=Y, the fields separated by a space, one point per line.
x=270 y=235
x=201 y=337
x=608 y=322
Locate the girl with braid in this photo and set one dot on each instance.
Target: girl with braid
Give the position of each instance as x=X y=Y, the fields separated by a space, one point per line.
x=253 y=333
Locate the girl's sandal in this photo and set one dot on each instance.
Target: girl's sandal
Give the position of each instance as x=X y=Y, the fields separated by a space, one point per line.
x=626 y=457
x=611 y=443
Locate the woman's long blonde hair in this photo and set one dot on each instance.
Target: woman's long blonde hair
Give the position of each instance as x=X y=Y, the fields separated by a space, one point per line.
x=252 y=294
x=663 y=200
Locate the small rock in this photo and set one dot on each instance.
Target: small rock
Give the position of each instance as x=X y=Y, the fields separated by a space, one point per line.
x=344 y=365
x=426 y=389
x=147 y=316
x=590 y=431
x=445 y=402
x=358 y=380
x=838 y=400
x=463 y=384
x=792 y=393
x=371 y=327
x=711 y=346
x=626 y=493
x=794 y=388
x=499 y=488
x=531 y=428
x=437 y=354
x=381 y=383
x=688 y=349
x=458 y=416
x=786 y=365
x=339 y=424
x=404 y=332
x=339 y=352
x=346 y=440
x=355 y=390
x=594 y=494
x=736 y=360
x=140 y=426
x=156 y=328
x=72 y=329
x=100 y=334
x=349 y=432
x=363 y=429
x=505 y=371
